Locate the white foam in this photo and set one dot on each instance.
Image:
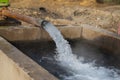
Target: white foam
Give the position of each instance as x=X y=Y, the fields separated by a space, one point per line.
x=75 y=66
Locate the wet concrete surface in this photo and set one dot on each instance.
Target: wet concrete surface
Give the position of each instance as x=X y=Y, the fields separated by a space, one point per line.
x=43 y=53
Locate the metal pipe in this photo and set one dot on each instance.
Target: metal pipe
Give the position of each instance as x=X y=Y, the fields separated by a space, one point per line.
x=17 y=16
x=44 y=22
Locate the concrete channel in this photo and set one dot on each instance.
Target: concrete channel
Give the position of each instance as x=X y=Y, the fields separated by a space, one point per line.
x=21 y=67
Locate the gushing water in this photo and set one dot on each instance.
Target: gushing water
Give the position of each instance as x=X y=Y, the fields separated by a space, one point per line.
x=74 y=65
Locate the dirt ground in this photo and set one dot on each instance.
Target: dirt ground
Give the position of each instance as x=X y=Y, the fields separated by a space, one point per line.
x=71 y=12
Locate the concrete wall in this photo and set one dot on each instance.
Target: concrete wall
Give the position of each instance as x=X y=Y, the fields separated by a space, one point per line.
x=10 y=70
x=33 y=33
x=9 y=66
x=95 y=35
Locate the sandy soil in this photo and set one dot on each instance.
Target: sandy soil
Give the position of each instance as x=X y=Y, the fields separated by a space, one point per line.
x=74 y=12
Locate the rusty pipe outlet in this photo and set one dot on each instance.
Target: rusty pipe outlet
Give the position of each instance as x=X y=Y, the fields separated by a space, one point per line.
x=17 y=16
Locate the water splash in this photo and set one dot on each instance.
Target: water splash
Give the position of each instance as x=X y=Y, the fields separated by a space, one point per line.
x=75 y=66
